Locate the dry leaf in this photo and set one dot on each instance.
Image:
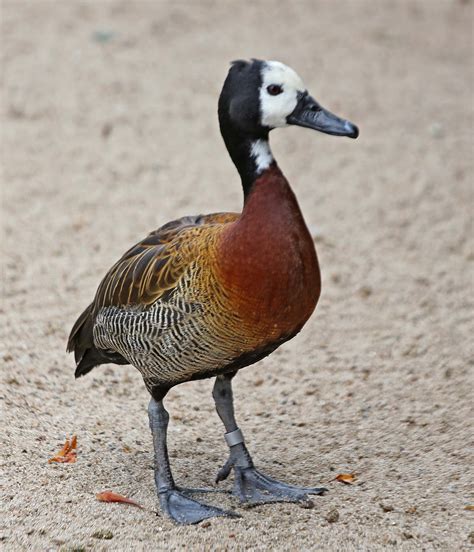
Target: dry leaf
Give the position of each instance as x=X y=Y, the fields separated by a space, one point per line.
x=68 y=454
x=470 y=507
x=347 y=478
x=109 y=496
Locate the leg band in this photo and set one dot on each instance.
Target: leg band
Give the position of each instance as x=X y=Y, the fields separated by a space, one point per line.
x=234 y=437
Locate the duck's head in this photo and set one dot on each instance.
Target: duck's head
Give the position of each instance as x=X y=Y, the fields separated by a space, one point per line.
x=259 y=96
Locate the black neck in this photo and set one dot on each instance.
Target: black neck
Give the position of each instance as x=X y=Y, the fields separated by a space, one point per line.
x=239 y=145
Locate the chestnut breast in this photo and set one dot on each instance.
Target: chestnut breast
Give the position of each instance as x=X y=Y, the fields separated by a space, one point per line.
x=267 y=261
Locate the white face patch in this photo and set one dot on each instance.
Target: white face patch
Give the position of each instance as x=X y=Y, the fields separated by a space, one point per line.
x=260 y=151
x=275 y=109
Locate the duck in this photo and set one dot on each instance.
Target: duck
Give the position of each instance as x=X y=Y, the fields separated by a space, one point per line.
x=205 y=296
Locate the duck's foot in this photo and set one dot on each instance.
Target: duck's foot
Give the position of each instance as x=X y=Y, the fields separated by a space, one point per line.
x=174 y=501
x=192 y=491
x=254 y=487
x=250 y=486
x=187 y=511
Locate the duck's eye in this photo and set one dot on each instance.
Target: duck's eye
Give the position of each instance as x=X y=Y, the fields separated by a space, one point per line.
x=274 y=89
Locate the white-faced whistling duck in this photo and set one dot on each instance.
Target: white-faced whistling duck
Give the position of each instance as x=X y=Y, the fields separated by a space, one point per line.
x=204 y=296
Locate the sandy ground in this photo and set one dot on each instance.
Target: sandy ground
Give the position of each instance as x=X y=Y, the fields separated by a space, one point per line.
x=109 y=130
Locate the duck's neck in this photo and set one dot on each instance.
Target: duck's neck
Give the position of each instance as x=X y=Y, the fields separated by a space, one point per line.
x=250 y=153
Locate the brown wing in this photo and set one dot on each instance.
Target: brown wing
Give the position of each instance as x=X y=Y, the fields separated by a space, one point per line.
x=154 y=266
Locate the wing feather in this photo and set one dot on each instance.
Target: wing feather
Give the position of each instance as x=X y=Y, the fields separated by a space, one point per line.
x=154 y=266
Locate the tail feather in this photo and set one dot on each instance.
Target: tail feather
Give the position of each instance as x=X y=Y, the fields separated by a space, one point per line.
x=94 y=357
x=86 y=354
x=85 y=365
x=81 y=332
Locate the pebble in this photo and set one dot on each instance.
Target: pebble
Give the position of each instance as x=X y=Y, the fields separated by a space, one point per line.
x=332 y=516
x=437 y=130
x=104 y=534
x=103 y=36
x=365 y=291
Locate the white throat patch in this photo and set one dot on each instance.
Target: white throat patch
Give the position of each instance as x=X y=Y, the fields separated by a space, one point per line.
x=275 y=109
x=260 y=151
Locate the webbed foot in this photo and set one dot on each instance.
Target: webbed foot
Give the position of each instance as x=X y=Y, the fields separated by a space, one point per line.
x=187 y=511
x=254 y=487
x=250 y=486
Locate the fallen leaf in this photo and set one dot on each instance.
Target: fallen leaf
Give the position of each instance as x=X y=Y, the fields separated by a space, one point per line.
x=347 y=478
x=68 y=454
x=109 y=496
x=470 y=507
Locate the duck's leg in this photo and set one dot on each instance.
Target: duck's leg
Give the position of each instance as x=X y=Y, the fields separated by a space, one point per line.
x=173 y=500
x=250 y=486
